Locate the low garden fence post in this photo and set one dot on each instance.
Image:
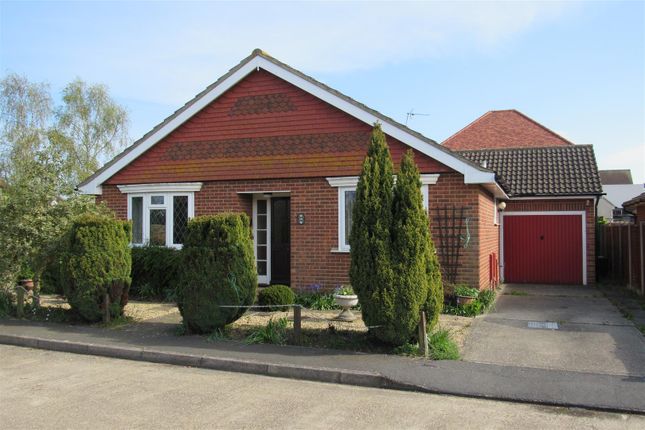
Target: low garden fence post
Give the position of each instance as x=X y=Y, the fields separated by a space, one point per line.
x=20 y=301
x=423 y=337
x=297 y=323
x=106 y=310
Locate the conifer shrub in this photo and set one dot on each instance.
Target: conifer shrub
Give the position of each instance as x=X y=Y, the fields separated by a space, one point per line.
x=276 y=295
x=394 y=268
x=370 y=269
x=96 y=261
x=217 y=269
x=154 y=272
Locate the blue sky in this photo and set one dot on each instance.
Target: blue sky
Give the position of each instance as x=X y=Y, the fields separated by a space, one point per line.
x=576 y=67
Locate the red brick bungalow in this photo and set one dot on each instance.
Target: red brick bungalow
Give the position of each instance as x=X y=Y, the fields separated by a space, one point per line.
x=549 y=223
x=270 y=141
x=267 y=140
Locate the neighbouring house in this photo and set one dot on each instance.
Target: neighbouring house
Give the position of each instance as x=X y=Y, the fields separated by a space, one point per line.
x=547 y=232
x=618 y=187
x=270 y=141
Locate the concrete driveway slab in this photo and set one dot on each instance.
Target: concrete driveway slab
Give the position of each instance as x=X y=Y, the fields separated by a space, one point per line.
x=592 y=335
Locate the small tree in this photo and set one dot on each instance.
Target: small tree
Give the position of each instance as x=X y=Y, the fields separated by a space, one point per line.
x=394 y=269
x=218 y=268
x=370 y=269
x=409 y=252
x=97 y=261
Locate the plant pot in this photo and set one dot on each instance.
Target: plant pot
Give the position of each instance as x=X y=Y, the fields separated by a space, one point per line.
x=346 y=302
x=464 y=300
x=27 y=284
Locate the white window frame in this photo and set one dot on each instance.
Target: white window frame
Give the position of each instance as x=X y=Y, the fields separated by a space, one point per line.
x=266 y=278
x=169 y=192
x=349 y=183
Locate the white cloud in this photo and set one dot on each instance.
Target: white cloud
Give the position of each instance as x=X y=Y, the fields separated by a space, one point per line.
x=178 y=57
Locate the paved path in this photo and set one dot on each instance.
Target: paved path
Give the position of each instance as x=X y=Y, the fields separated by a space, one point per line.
x=553 y=387
x=46 y=389
x=592 y=335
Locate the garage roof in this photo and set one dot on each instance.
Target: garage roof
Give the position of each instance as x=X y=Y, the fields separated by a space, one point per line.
x=556 y=171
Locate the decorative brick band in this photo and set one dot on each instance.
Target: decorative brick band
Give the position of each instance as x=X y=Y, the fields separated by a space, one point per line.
x=263 y=103
x=264 y=146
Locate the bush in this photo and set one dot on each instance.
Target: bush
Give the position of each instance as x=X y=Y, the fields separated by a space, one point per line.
x=274 y=332
x=217 y=268
x=487 y=297
x=154 y=272
x=394 y=269
x=442 y=347
x=7 y=304
x=276 y=295
x=316 y=301
x=370 y=270
x=51 y=281
x=464 y=290
x=96 y=261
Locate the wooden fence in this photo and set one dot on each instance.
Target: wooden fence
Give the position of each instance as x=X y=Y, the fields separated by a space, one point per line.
x=621 y=254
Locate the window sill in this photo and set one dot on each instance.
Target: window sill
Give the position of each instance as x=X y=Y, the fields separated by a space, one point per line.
x=339 y=251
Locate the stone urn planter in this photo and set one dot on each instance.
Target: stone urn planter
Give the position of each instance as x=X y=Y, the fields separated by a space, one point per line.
x=464 y=300
x=346 y=301
x=27 y=284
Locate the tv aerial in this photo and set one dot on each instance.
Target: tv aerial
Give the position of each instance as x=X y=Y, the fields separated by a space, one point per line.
x=412 y=113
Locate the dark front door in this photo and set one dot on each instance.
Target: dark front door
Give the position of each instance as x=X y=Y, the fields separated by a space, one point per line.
x=280 y=240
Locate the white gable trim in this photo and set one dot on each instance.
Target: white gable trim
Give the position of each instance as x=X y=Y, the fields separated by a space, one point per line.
x=471 y=174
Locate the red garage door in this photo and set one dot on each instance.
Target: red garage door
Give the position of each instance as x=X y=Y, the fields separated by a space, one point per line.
x=543 y=249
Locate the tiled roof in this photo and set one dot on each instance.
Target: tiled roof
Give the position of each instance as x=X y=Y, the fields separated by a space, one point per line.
x=259 y=52
x=504 y=129
x=631 y=204
x=616 y=177
x=556 y=171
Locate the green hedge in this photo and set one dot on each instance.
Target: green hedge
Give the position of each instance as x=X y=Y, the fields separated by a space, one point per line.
x=155 y=270
x=276 y=295
x=97 y=260
x=217 y=268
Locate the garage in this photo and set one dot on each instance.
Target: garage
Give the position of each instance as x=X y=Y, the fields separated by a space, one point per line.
x=544 y=248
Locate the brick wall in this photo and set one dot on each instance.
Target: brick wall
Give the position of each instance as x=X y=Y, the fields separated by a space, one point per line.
x=312 y=259
x=450 y=191
x=489 y=236
x=114 y=200
x=587 y=205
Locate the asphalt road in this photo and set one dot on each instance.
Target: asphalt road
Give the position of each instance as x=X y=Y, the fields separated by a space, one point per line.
x=46 y=389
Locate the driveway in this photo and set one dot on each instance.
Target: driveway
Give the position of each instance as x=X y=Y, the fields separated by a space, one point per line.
x=591 y=335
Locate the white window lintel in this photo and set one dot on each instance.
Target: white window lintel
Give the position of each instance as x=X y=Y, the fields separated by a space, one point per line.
x=177 y=187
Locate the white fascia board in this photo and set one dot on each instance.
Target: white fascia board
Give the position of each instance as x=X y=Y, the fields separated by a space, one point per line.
x=179 y=187
x=471 y=174
x=352 y=181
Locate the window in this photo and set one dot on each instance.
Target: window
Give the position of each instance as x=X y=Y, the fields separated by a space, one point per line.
x=346 y=198
x=160 y=212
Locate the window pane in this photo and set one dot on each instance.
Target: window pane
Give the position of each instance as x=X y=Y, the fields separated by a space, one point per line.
x=262 y=268
x=262 y=222
x=262 y=238
x=262 y=207
x=262 y=252
x=156 y=200
x=180 y=223
x=158 y=227
x=137 y=219
x=350 y=196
